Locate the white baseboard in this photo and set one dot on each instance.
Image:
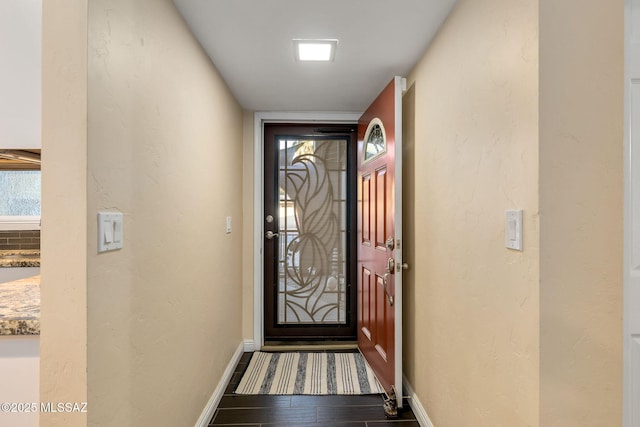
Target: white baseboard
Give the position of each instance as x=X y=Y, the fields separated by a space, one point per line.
x=214 y=401
x=249 y=346
x=416 y=406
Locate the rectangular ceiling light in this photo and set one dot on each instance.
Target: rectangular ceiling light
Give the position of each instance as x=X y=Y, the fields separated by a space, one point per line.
x=315 y=49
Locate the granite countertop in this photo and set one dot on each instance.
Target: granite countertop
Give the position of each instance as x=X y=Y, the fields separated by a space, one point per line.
x=20 y=258
x=20 y=307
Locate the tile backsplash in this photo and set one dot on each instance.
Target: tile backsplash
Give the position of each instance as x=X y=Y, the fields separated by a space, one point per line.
x=19 y=239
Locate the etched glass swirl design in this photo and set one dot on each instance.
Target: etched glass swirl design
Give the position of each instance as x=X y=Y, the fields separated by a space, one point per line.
x=375 y=143
x=312 y=222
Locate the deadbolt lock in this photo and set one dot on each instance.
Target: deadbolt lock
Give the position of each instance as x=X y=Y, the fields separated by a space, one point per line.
x=390 y=243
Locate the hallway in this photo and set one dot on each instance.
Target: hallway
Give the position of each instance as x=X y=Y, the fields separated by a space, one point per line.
x=512 y=106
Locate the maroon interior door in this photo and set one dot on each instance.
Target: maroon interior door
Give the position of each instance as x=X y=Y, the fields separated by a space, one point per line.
x=380 y=236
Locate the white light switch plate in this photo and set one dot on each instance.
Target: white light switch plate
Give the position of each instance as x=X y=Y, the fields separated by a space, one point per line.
x=110 y=231
x=513 y=230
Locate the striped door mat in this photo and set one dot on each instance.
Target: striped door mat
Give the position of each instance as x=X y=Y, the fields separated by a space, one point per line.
x=308 y=373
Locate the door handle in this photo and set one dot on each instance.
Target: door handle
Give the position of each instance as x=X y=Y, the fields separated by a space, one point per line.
x=270 y=235
x=386 y=291
x=391 y=266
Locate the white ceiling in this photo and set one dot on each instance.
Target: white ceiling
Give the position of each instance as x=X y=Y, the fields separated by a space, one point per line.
x=250 y=43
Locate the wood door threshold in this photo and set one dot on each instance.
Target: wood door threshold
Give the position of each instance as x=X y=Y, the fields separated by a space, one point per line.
x=310 y=346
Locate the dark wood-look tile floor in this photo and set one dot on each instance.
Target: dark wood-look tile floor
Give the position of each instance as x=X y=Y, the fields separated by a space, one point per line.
x=329 y=411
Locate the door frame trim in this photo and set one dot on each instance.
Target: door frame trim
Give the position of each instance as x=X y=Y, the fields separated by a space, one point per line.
x=259 y=119
x=627 y=404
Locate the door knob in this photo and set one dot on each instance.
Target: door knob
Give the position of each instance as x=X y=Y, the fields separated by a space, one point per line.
x=270 y=235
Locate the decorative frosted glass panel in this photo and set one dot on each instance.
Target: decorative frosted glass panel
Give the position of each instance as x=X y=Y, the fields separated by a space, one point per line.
x=312 y=227
x=375 y=142
x=19 y=193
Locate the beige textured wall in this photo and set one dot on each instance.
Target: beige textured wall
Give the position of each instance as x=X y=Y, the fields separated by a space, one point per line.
x=581 y=181
x=63 y=338
x=165 y=148
x=472 y=310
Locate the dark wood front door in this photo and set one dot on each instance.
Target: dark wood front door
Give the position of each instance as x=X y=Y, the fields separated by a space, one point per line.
x=309 y=225
x=380 y=236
